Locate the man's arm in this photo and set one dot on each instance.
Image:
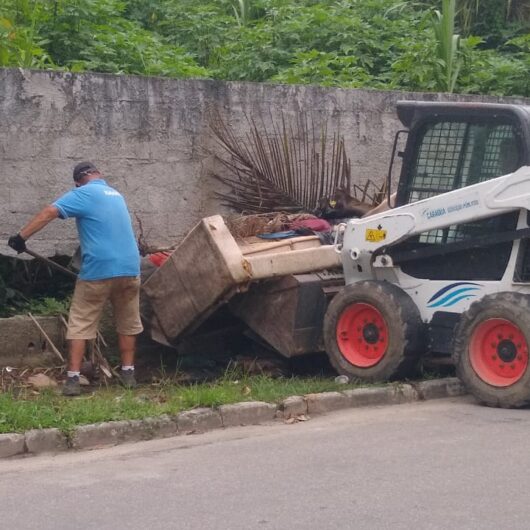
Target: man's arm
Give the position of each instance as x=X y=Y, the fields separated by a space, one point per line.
x=46 y=215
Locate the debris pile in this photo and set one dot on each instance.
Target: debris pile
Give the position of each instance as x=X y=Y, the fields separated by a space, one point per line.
x=242 y=226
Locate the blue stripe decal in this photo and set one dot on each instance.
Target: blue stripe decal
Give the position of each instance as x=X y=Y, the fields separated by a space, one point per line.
x=452 y=300
x=447 y=300
x=443 y=290
x=456 y=300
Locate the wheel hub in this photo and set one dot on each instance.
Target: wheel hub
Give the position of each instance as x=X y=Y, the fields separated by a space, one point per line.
x=371 y=333
x=362 y=335
x=507 y=351
x=498 y=352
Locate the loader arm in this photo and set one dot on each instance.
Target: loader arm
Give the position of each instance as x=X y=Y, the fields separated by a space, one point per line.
x=365 y=239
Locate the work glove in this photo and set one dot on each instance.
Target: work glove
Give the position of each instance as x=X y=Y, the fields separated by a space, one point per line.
x=17 y=243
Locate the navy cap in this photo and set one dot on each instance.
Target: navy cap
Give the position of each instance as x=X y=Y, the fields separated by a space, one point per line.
x=82 y=169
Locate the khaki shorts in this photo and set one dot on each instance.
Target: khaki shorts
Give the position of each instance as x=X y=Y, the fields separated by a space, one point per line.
x=90 y=298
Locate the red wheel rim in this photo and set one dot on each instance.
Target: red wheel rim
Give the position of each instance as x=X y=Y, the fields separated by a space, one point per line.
x=362 y=335
x=498 y=352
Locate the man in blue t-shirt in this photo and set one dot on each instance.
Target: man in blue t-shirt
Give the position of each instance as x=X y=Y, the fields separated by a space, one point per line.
x=110 y=267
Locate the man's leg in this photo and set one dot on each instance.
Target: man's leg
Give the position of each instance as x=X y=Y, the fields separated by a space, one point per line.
x=127 y=345
x=85 y=312
x=76 y=352
x=125 y=299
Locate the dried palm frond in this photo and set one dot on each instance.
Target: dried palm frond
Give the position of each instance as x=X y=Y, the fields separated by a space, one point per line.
x=287 y=166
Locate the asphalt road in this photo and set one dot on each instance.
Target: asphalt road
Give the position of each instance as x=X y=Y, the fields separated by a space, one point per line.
x=440 y=464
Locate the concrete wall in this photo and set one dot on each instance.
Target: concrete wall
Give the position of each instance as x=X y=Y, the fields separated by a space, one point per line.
x=22 y=344
x=151 y=138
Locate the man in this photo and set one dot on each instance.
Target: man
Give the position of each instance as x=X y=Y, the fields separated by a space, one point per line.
x=110 y=268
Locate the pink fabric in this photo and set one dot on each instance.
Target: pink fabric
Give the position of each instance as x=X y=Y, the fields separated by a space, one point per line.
x=317 y=225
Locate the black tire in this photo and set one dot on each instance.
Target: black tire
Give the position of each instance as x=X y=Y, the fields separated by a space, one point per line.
x=476 y=357
x=402 y=346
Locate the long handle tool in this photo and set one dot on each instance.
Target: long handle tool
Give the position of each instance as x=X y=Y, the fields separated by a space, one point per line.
x=51 y=263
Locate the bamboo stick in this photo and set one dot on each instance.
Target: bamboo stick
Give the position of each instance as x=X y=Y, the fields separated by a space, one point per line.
x=48 y=340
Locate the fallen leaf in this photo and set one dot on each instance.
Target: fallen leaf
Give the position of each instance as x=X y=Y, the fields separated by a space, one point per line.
x=41 y=381
x=105 y=371
x=297 y=419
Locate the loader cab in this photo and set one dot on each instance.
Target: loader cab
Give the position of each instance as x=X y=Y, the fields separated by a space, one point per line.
x=450 y=146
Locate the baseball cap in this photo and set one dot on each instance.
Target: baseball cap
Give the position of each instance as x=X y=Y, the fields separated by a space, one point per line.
x=82 y=169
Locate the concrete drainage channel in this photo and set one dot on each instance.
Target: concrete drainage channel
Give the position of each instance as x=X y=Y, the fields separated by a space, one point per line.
x=106 y=434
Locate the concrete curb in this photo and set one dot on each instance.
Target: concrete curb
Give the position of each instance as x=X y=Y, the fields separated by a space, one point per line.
x=85 y=437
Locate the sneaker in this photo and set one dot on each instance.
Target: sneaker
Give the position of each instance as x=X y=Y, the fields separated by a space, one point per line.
x=71 y=386
x=127 y=378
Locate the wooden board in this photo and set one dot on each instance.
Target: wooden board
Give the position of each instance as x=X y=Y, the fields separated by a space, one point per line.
x=200 y=272
x=252 y=246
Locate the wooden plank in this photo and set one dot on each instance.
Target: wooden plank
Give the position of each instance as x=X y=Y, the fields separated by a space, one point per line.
x=295 y=262
x=208 y=268
x=205 y=267
x=286 y=245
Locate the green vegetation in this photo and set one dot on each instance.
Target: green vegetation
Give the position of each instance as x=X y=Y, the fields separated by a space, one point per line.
x=32 y=287
x=447 y=46
x=469 y=46
x=16 y=304
x=47 y=306
x=49 y=409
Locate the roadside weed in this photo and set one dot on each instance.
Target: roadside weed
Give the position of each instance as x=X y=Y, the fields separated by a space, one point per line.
x=31 y=410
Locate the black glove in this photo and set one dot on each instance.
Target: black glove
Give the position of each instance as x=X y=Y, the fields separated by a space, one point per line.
x=17 y=243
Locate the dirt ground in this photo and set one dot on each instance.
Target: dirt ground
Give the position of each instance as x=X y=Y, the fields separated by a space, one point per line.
x=156 y=364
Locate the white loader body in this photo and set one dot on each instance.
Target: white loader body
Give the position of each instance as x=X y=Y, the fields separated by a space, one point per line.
x=365 y=241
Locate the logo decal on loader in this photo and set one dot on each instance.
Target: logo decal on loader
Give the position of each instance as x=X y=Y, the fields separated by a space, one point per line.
x=455 y=292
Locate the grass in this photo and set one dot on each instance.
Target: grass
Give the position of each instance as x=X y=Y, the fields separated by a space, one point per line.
x=28 y=410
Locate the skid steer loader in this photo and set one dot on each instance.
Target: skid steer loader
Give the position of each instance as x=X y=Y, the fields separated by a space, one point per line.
x=447 y=270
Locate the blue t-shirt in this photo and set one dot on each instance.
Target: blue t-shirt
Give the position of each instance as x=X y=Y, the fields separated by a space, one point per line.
x=108 y=245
